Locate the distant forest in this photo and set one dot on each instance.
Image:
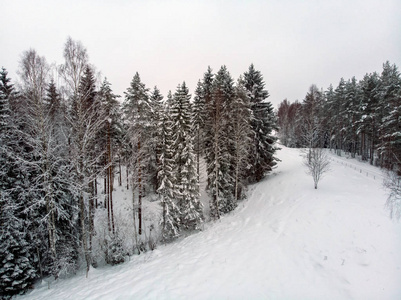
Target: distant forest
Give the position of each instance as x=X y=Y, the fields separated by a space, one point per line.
x=361 y=118
x=66 y=141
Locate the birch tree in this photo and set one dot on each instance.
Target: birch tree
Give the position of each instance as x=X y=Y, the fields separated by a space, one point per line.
x=85 y=122
x=318 y=164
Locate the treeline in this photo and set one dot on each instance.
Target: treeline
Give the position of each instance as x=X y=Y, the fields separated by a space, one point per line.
x=362 y=118
x=65 y=140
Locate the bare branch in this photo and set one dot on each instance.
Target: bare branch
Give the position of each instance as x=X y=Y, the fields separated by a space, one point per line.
x=317 y=163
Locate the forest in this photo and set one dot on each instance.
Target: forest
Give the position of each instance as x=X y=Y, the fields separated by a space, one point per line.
x=66 y=140
x=361 y=118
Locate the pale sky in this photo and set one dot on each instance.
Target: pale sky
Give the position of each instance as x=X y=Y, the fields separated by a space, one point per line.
x=293 y=43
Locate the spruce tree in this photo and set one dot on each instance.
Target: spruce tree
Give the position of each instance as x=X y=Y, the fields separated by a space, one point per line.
x=171 y=217
x=217 y=148
x=5 y=91
x=156 y=101
x=198 y=124
x=263 y=124
x=17 y=264
x=186 y=179
x=138 y=111
x=207 y=83
x=241 y=132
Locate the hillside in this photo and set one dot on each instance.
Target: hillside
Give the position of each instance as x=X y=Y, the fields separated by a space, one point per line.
x=286 y=241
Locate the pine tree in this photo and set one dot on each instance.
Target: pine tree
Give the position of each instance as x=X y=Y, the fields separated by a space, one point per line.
x=337 y=113
x=263 y=123
x=351 y=115
x=369 y=122
x=390 y=100
x=108 y=143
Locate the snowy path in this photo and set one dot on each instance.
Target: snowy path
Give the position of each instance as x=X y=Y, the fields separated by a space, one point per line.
x=287 y=241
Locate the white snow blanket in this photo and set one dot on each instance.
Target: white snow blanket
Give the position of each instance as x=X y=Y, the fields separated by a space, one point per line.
x=286 y=241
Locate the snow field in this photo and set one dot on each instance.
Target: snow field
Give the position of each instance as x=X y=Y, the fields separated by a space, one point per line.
x=286 y=241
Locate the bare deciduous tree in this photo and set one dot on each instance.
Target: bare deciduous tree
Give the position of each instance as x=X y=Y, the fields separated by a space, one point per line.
x=392 y=182
x=86 y=119
x=317 y=163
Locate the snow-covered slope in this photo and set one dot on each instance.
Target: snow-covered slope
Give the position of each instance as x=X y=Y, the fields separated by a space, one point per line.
x=287 y=241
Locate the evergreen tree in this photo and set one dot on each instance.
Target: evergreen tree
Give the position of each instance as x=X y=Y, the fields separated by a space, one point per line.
x=390 y=101
x=108 y=143
x=369 y=122
x=17 y=272
x=241 y=131
x=207 y=83
x=289 y=124
x=45 y=162
x=170 y=222
x=337 y=114
x=263 y=123
x=156 y=101
x=351 y=115
x=312 y=123
x=217 y=148
x=17 y=264
x=138 y=111
x=5 y=91
x=186 y=179
x=198 y=124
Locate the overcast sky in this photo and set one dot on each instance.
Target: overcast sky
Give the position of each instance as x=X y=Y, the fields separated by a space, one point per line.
x=293 y=43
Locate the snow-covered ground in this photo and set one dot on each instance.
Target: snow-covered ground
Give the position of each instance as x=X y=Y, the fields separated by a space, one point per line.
x=286 y=241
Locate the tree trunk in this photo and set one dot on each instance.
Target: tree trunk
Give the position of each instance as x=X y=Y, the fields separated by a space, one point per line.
x=105 y=189
x=91 y=214
x=96 y=200
x=111 y=199
x=139 y=190
x=120 y=181
x=127 y=174
x=83 y=233
x=110 y=178
x=107 y=199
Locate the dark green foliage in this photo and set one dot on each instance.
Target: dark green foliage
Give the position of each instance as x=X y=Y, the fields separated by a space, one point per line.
x=17 y=262
x=186 y=185
x=358 y=117
x=171 y=217
x=263 y=123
